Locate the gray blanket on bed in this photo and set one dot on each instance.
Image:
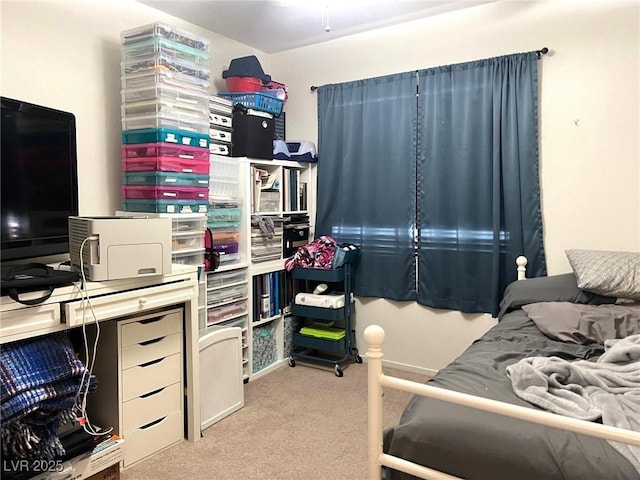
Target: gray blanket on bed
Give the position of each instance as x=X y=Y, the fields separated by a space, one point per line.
x=607 y=389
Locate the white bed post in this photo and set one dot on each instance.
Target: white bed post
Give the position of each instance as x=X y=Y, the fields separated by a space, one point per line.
x=521 y=262
x=374 y=336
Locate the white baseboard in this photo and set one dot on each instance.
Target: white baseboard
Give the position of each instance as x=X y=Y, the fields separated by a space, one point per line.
x=406 y=367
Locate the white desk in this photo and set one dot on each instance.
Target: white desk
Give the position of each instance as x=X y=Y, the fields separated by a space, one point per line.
x=111 y=300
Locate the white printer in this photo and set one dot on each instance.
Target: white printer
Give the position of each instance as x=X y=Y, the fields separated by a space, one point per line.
x=110 y=248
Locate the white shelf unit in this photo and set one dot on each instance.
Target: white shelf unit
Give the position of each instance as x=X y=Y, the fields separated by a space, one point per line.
x=262 y=341
x=267 y=335
x=227 y=305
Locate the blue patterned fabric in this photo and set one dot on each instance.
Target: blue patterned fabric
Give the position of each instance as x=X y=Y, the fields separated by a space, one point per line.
x=36 y=371
x=40 y=378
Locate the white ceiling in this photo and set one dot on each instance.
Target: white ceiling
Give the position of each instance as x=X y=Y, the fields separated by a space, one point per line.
x=273 y=26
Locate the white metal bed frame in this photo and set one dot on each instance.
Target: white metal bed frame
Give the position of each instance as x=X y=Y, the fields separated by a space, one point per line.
x=377 y=381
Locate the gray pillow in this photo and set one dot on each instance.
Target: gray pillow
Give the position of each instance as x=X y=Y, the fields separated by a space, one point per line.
x=615 y=274
x=554 y=288
x=584 y=324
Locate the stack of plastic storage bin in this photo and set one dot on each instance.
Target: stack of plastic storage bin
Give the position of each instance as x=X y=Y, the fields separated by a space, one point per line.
x=220 y=125
x=225 y=209
x=165 y=120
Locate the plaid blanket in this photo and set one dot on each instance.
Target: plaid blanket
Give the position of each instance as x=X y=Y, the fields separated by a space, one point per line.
x=40 y=378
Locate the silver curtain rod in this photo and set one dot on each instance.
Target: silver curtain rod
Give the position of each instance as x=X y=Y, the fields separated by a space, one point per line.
x=539 y=53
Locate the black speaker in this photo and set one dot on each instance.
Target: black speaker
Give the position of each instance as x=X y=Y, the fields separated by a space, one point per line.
x=253 y=136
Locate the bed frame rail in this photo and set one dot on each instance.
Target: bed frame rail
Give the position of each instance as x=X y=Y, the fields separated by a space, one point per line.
x=374 y=336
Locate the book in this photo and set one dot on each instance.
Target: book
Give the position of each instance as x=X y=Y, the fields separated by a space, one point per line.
x=302 y=194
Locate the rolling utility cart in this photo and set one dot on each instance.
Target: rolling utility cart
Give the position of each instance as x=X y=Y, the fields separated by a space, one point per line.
x=326 y=333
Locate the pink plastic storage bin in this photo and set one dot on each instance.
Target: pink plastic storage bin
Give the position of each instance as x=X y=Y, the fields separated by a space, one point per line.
x=243 y=84
x=166 y=164
x=145 y=150
x=163 y=192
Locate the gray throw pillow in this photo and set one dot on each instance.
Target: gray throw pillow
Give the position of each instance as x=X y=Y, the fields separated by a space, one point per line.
x=554 y=288
x=615 y=274
x=584 y=324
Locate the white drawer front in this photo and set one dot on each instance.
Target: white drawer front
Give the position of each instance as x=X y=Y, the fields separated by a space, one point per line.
x=143 y=410
x=21 y=322
x=126 y=303
x=142 y=442
x=140 y=380
x=146 y=352
x=151 y=328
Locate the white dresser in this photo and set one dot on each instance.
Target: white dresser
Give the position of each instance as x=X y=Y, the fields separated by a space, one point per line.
x=149 y=413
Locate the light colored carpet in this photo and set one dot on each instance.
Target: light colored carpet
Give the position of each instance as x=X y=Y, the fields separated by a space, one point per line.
x=301 y=423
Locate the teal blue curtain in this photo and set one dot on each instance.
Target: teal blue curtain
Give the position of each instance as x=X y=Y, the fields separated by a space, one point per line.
x=478 y=198
x=366 y=178
x=452 y=151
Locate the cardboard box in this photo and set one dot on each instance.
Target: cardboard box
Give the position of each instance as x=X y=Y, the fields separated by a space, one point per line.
x=103 y=457
x=109 y=473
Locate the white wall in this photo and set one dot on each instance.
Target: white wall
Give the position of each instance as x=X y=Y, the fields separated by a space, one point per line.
x=66 y=55
x=589 y=130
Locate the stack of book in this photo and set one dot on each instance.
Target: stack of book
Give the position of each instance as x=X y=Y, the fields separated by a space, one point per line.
x=270 y=294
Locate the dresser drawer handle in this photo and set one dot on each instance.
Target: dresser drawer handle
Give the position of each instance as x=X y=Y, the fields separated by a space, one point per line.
x=147 y=321
x=151 y=424
x=152 y=362
x=153 y=340
x=150 y=394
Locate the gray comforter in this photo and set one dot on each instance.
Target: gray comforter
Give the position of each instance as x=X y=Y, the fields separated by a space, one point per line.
x=607 y=389
x=482 y=446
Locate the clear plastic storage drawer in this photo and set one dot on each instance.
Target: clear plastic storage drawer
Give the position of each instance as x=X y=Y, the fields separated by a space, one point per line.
x=163 y=46
x=182 y=96
x=237 y=322
x=165 y=105
x=187 y=241
x=188 y=123
x=226 y=295
x=223 y=279
x=226 y=312
x=220 y=149
x=149 y=78
x=163 y=30
x=188 y=258
x=163 y=61
x=220 y=120
x=185 y=224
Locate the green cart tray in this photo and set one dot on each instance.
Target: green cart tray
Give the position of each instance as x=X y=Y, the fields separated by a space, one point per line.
x=329 y=333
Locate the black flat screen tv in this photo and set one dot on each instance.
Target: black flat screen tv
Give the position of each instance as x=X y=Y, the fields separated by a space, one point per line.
x=39 y=179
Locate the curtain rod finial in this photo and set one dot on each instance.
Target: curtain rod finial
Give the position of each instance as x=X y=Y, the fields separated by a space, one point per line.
x=542 y=51
x=313 y=88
